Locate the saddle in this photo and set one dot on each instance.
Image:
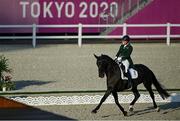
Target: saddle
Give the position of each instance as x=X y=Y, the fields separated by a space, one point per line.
x=133 y=73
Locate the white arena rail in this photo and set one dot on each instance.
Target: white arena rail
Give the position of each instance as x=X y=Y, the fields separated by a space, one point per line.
x=80 y=27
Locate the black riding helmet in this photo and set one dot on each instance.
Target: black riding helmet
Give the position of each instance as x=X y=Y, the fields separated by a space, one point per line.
x=126 y=38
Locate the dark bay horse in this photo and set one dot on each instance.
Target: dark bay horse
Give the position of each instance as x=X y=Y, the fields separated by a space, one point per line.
x=107 y=66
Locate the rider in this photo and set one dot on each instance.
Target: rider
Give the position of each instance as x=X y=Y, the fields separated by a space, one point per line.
x=123 y=56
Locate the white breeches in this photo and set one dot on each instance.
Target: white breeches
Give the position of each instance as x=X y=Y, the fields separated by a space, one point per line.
x=126 y=64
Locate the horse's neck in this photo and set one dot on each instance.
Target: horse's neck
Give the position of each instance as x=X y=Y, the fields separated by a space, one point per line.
x=113 y=78
x=112 y=70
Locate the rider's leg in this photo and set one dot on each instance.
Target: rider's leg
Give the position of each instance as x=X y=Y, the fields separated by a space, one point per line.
x=126 y=64
x=129 y=79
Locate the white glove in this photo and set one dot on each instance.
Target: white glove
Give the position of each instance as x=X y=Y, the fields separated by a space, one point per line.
x=115 y=58
x=119 y=59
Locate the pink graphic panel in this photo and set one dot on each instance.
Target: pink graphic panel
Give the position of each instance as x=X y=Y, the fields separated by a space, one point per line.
x=157 y=12
x=11 y=14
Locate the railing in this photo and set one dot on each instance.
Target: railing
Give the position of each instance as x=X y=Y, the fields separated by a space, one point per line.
x=80 y=27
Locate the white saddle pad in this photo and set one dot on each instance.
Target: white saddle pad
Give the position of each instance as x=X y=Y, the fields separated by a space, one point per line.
x=133 y=72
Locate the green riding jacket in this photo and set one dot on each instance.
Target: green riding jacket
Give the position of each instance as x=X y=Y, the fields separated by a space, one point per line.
x=125 y=53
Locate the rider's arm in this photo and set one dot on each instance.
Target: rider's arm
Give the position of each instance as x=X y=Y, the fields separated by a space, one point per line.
x=120 y=51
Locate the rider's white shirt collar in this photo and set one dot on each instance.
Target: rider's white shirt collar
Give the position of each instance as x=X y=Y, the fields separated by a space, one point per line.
x=126 y=45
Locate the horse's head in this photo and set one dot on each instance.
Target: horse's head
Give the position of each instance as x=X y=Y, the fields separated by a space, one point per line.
x=101 y=64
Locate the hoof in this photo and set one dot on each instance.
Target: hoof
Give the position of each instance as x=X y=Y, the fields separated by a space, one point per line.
x=131 y=109
x=94 y=111
x=125 y=113
x=157 y=109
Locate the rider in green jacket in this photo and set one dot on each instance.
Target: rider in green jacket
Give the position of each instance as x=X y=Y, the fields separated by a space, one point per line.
x=124 y=57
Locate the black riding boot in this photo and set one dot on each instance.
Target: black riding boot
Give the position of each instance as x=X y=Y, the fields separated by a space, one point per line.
x=129 y=85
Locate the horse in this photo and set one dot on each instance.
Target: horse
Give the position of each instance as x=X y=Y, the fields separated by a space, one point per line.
x=107 y=66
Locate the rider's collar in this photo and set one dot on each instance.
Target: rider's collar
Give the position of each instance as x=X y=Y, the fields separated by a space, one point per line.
x=126 y=44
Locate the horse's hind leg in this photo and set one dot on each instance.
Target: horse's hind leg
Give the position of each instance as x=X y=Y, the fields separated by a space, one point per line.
x=115 y=95
x=149 y=88
x=136 y=97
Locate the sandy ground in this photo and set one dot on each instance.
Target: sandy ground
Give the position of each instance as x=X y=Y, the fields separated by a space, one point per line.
x=169 y=111
x=67 y=67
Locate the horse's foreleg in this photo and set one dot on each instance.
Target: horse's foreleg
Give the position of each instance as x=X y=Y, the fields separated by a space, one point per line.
x=108 y=92
x=137 y=95
x=115 y=95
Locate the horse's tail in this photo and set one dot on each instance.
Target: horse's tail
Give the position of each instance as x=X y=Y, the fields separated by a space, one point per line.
x=164 y=94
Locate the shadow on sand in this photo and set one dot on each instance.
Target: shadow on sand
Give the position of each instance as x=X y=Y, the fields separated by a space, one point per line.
x=12 y=110
x=25 y=83
x=164 y=108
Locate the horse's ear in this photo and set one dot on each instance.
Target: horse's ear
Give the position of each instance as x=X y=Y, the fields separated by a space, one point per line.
x=96 y=56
